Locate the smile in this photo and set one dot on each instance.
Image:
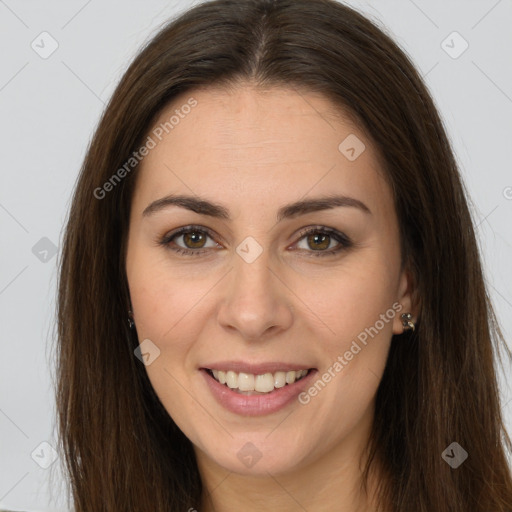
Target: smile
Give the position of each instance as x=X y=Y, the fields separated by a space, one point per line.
x=259 y=389
x=249 y=383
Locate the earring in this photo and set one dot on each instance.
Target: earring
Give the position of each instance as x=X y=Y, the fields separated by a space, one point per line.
x=407 y=323
x=131 y=323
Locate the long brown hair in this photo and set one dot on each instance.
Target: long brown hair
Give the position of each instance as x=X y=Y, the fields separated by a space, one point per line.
x=122 y=450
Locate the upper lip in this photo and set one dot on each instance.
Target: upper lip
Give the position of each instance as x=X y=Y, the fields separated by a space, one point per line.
x=255 y=368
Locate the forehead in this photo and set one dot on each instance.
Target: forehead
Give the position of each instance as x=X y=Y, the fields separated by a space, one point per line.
x=255 y=145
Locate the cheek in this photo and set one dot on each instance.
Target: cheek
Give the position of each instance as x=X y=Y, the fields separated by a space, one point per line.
x=167 y=309
x=350 y=298
x=162 y=299
x=357 y=313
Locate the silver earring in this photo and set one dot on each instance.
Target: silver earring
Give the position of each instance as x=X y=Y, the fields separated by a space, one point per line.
x=407 y=322
x=131 y=323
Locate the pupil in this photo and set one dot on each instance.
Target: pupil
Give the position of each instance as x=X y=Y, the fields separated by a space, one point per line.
x=194 y=237
x=317 y=237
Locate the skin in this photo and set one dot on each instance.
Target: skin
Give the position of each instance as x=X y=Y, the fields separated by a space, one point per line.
x=254 y=151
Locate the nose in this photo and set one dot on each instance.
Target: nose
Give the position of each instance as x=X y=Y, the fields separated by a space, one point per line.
x=256 y=300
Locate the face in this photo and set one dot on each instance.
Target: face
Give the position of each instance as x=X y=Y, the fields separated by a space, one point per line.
x=294 y=305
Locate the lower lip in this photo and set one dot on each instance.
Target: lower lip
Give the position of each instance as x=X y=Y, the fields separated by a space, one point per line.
x=256 y=405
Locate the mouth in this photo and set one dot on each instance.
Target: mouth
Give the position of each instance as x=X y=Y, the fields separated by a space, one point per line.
x=257 y=384
x=256 y=389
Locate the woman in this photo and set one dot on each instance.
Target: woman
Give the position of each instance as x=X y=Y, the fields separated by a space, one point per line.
x=271 y=201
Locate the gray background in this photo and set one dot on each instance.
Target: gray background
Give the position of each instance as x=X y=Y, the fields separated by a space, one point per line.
x=49 y=108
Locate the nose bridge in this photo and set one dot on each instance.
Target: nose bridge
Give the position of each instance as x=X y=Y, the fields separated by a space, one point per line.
x=252 y=266
x=254 y=301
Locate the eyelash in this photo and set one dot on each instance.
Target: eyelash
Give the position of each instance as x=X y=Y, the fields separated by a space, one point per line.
x=342 y=239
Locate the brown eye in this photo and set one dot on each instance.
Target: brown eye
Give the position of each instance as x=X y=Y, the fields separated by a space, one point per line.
x=189 y=240
x=318 y=241
x=194 y=239
x=323 y=241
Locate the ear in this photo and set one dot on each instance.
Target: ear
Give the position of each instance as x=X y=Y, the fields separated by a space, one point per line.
x=408 y=299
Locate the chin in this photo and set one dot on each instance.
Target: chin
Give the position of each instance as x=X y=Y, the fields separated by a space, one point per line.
x=258 y=454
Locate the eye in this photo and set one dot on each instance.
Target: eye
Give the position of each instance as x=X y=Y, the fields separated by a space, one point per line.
x=320 y=239
x=193 y=239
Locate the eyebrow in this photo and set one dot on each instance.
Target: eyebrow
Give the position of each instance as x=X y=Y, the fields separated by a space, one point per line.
x=205 y=207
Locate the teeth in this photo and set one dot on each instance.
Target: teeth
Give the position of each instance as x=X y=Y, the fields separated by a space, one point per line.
x=290 y=377
x=280 y=379
x=232 y=379
x=246 y=382
x=265 y=383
